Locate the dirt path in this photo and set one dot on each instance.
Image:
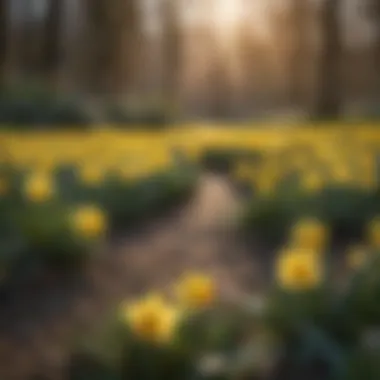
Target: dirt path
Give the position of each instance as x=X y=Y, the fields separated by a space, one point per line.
x=36 y=327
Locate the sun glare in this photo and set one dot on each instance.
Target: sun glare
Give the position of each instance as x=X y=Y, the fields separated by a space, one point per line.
x=228 y=12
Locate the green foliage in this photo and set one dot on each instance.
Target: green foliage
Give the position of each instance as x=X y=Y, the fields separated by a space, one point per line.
x=34 y=106
x=328 y=332
x=30 y=105
x=338 y=327
x=129 y=201
x=348 y=209
x=153 y=116
x=41 y=234
x=50 y=238
x=363 y=363
x=344 y=209
x=358 y=306
x=223 y=159
x=86 y=367
x=201 y=338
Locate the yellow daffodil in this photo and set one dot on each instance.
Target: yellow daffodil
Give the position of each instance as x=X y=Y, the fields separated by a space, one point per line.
x=373 y=233
x=356 y=257
x=152 y=318
x=89 y=221
x=367 y=180
x=243 y=171
x=4 y=186
x=312 y=182
x=39 y=187
x=265 y=186
x=367 y=161
x=130 y=173
x=193 y=153
x=91 y=174
x=309 y=234
x=342 y=174
x=45 y=165
x=298 y=270
x=196 y=290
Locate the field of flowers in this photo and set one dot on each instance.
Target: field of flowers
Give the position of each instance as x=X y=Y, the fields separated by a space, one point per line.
x=332 y=178
x=305 y=191
x=303 y=325
x=307 y=194
x=63 y=194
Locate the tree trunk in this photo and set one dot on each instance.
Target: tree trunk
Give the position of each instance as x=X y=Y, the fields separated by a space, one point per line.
x=51 y=52
x=300 y=24
x=221 y=90
x=131 y=46
x=373 y=12
x=3 y=39
x=171 y=53
x=111 y=39
x=329 y=81
x=29 y=43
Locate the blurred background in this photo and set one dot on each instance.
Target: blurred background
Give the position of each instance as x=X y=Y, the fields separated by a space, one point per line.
x=215 y=59
x=261 y=234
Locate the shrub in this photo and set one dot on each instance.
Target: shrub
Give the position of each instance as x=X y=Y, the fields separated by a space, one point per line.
x=155 y=117
x=299 y=331
x=30 y=105
x=206 y=344
x=223 y=160
x=344 y=209
x=50 y=216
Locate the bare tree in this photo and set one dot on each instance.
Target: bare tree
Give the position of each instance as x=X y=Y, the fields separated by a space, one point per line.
x=3 y=38
x=329 y=81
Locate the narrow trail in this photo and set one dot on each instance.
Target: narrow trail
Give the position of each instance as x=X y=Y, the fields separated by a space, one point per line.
x=37 y=325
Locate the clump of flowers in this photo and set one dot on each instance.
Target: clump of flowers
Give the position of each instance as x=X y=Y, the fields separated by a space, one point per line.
x=91 y=175
x=39 y=187
x=373 y=233
x=299 y=270
x=155 y=319
x=309 y=234
x=196 y=290
x=312 y=182
x=4 y=186
x=89 y=221
x=152 y=318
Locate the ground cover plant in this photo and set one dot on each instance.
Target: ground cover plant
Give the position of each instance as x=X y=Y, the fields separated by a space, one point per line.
x=62 y=195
